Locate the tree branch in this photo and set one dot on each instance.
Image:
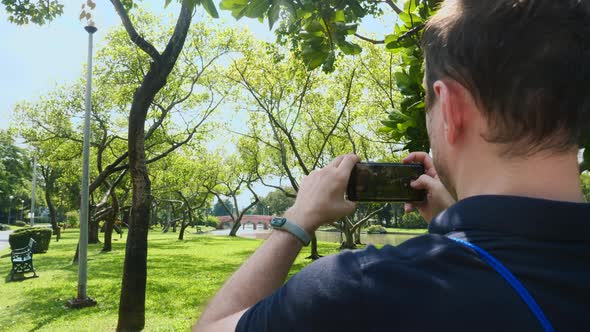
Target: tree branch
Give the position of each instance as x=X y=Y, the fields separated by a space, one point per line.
x=393 y=6
x=362 y=221
x=133 y=35
x=372 y=41
x=319 y=155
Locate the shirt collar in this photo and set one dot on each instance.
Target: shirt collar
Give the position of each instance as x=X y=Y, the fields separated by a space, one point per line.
x=522 y=216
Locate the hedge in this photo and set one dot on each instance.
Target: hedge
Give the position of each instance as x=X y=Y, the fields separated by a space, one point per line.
x=412 y=221
x=376 y=229
x=20 y=238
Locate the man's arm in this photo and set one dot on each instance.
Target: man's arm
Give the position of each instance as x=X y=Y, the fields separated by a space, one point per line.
x=320 y=200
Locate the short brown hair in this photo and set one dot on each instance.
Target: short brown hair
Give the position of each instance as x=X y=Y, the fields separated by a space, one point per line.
x=527 y=63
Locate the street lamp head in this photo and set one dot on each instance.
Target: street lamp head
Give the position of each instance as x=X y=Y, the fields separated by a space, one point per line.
x=11 y=197
x=90 y=27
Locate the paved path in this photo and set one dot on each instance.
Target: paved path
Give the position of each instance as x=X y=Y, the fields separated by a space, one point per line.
x=4 y=239
x=248 y=232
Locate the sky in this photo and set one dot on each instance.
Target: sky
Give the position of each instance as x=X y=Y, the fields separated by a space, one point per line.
x=35 y=60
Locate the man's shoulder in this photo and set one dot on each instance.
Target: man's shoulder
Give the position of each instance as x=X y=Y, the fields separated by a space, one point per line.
x=411 y=252
x=360 y=270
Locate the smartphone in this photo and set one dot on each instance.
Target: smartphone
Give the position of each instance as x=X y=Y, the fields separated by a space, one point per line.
x=384 y=182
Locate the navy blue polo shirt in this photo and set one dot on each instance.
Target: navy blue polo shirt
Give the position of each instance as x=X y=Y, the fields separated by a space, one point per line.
x=431 y=283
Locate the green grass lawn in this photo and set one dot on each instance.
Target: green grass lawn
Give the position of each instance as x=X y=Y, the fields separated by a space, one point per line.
x=182 y=277
x=418 y=231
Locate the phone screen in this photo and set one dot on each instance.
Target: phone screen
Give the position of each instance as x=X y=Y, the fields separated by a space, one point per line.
x=385 y=182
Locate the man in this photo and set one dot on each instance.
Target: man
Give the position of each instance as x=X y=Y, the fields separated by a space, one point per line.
x=508 y=99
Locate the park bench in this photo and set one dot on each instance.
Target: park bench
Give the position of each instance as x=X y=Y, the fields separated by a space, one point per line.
x=22 y=260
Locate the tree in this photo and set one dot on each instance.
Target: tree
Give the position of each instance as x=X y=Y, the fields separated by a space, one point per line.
x=219 y=209
x=229 y=178
x=153 y=80
x=183 y=178
x=150 y=87
x=276 y=202
x=132 y=304
x=14 y=170
x=585 y=177
x=300 y=120
x=35 y=11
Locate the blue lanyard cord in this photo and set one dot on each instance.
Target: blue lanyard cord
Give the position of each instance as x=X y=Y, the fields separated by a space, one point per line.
x=508 y=276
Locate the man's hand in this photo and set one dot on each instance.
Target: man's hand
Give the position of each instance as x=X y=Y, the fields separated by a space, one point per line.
x=320 y=199
x=438 y=198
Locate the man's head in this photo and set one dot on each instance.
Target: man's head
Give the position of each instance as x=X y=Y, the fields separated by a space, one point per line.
x=514 y=74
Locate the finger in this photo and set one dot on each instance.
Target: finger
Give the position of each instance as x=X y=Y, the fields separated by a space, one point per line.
x=408 y=207
x=351 y=205
x=424 y=182
x=431 y=172
x=336 y=162
x=348 y=162
x=421 y=158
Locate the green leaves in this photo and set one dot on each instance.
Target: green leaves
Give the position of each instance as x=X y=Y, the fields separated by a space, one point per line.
x=208 y=5
x=249 y=8
x=350 y=48
x=22 y=12
x=273 y=14
x=312 y=57
x=407 y=123
x=257 y=8
x=318 y=30
x=586 y=159
x=210 y=8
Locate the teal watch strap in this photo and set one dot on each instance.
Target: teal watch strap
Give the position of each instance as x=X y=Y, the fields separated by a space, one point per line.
x=291 y=227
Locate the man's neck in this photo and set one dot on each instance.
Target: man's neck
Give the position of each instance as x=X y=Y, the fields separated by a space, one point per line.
x=543 y=175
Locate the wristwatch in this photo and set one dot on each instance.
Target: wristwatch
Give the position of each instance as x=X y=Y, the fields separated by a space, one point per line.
x=284 y=224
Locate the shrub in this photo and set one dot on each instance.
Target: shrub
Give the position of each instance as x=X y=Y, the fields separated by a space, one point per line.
x=376 y=229
x=20 y=223
x=212 y=221
x=72 y=218
x=412 y=221
x=20 y=238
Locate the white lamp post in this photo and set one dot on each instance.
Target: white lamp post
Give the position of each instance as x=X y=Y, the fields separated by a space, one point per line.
x=82 y=300
x=34 y=191
x=10 y=207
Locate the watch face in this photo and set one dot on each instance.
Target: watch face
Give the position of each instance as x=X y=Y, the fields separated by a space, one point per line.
x=278 y=222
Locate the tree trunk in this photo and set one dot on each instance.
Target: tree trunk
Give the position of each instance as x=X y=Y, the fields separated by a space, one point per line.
x=189 y=214
x=110 y=223
x=76 y=255
x=93 y=231
x=235 y=228
x=132 y=302
x=50 y=177
x=52 y=211
x=183 y=227
x=108 y=233
x=348 y=242
x=314 y=248
x=357 y=236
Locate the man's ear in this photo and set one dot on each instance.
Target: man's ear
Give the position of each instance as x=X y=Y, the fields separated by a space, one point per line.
x=451 y=98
